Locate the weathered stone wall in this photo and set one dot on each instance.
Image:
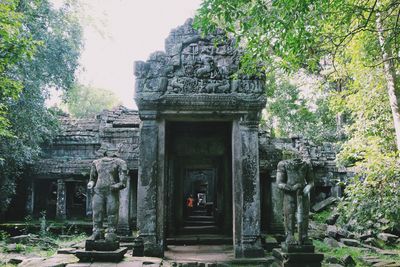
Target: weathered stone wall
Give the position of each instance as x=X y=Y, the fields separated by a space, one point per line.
x=80 y=141
x=322 y=157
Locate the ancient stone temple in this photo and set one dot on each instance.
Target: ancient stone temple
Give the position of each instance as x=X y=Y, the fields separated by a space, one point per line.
x=199 y=125
x=196 y=133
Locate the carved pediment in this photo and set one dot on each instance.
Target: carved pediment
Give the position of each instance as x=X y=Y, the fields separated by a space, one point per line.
x=193 y=71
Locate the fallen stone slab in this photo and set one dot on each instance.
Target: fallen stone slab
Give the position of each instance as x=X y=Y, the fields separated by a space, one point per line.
x=348 y=261
x=365 y=235
x=370 y=260
x=387 y=252
x=66 y=251
x=331 y=242
x=31 y=262
x=22 y=239
x=333 y=260
x=371 y=248
x=16 y=260
x=388 y=238
x=350 y=242
x=332 y=231
x=383 y=263
x=323 y=204
x=55 y=261
x=102 y=256
x=16 y=248
x=332 y=219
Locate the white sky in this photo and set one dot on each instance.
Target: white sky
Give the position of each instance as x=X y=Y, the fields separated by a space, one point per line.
x=130 y=30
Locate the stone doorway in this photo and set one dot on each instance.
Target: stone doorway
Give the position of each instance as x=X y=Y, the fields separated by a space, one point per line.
x=199 y=164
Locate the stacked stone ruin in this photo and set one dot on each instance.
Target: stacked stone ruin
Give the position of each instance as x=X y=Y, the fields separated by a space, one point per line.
x=195 y=83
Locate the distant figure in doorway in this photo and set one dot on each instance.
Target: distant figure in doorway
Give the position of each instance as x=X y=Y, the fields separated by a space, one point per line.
x=189 y=204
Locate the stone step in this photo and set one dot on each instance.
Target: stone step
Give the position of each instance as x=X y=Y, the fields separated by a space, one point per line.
x=188 y=240
x=187 y=230
x=198 y=223
x=200 y=218
x=199 y=212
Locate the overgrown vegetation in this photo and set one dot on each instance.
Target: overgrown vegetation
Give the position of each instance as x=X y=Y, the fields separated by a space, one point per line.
x=351 y=48
x=40 y=47
x=355 y=252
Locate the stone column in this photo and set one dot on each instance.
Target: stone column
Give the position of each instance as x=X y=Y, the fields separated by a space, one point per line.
x=61 y=211
x=30 y=201
x=246 y=183
x=276 y=222
x=147 y=196
x=124 y=228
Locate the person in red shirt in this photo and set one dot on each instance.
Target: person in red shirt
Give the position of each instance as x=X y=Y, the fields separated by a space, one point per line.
x=189 y=204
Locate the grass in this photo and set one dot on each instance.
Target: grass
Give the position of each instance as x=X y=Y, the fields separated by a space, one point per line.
x=322 y=216
x=354 y=252
x=40 y=249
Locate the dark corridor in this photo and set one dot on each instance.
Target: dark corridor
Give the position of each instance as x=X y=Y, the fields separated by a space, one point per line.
x=198 y=159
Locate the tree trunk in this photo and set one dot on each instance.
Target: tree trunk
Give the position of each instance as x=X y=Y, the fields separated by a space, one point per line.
x=390 y=77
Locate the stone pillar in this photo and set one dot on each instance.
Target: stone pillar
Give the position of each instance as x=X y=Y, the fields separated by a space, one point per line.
x=276 y=222
x=246 y=194
x=61 y=210
x=147 y=196
x=30 y=201
x=124 y=227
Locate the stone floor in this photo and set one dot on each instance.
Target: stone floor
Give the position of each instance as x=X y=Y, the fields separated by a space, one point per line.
x=200 y=253
x=185 y=256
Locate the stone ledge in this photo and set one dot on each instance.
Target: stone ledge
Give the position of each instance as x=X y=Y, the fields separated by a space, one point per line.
x=101 y=256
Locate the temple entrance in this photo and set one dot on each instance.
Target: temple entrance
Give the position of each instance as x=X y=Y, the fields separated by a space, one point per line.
x=199 y=178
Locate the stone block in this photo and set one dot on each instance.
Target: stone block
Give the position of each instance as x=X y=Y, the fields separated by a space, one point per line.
x=331 y=242
x=298 y=248
x=101 y=245
x=101 y=256
x=283 y=259
x=348 y=261
x=388 y=238
x=333 y=260
x=323 y=204
x=350 y=242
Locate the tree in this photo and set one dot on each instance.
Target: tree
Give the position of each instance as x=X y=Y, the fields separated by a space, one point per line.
x=302 y=33
x=354 y=45
x=15 y=45
x=298 y=105
x=83 y=101
x=57 y=35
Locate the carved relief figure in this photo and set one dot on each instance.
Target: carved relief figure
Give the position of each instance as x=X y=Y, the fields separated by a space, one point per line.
x=295 y=178
x=107 y=177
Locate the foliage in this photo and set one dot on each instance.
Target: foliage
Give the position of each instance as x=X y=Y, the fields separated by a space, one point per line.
x=355 y=252
x=294 y=109
x=322 y=216
x=347 y=43
x=84 y=101
x=4 y=235
x=15 y=45
x=57 y=34
x=373 y=195
x=298 y=34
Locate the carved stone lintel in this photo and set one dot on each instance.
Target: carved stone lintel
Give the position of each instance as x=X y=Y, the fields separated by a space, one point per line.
x=147 y=116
